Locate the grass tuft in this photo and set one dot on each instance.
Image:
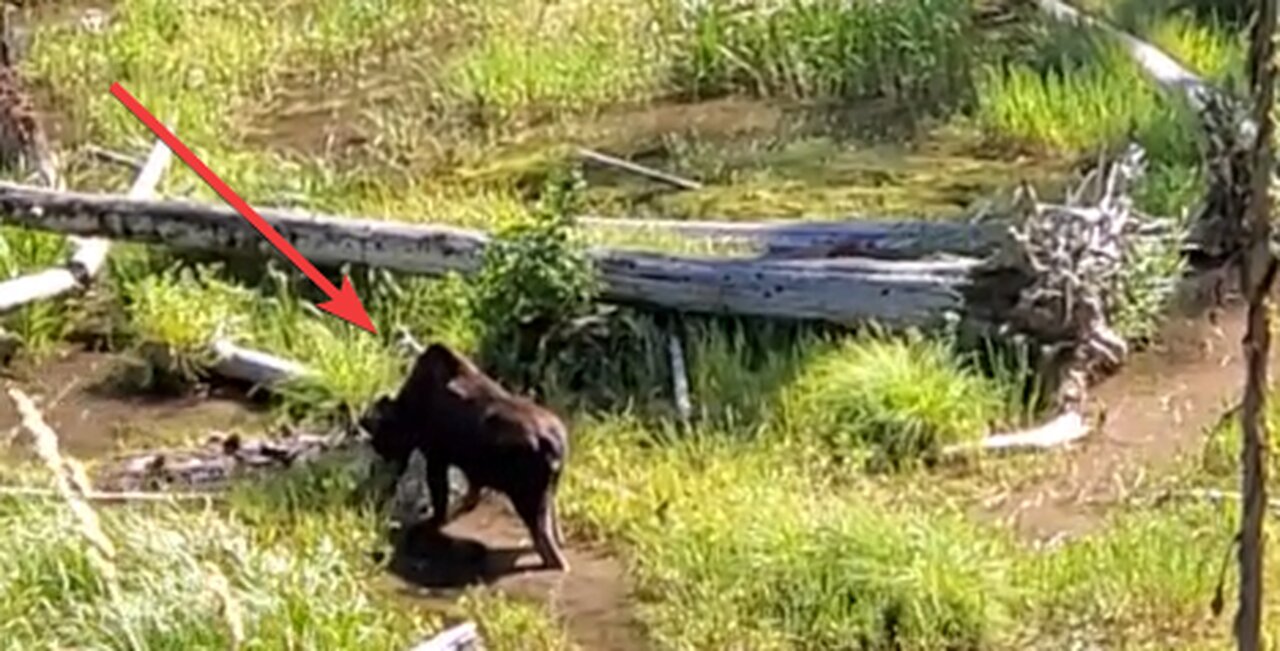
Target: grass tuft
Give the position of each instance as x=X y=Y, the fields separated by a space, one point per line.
x=902 y=399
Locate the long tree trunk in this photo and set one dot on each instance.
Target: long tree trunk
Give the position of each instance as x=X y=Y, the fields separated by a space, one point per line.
x=1257 y=273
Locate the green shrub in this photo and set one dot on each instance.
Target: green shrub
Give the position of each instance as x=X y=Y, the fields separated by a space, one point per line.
x=905 y=399
x=535 y=277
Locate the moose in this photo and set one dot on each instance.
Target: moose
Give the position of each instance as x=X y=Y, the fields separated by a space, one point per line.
x=456 y=415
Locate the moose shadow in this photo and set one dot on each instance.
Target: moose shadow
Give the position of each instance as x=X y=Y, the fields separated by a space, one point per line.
x=441 y=561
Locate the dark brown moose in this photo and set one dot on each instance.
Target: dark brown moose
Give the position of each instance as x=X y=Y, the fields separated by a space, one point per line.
x=458 y=416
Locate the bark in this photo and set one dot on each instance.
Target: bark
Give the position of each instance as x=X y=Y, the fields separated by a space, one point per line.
x=844 y=291
x=1258 y=272
x=819 y=239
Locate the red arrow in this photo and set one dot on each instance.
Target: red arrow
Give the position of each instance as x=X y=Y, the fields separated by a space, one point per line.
x=343 y=303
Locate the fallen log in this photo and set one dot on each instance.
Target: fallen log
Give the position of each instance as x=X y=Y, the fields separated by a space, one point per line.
x=89 y=253
x=844 y=291
x=1163 y=69
x=819 y=239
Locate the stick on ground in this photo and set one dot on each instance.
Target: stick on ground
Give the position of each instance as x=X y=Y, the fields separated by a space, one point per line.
x=634 y=168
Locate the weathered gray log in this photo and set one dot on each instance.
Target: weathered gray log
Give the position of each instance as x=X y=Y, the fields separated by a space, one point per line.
x=88 y=254
x=91 y=253
x=854 y=236
x=641 y=170
x=846 y=291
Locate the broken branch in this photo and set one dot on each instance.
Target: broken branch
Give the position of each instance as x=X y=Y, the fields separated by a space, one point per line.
x=634 y=168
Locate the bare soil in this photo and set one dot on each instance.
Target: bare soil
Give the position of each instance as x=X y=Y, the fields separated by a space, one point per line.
x=77 y=394
x=1156 y=410
x=489 y=546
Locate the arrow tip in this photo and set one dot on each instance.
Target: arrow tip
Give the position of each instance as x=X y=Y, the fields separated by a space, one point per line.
x=346 y=305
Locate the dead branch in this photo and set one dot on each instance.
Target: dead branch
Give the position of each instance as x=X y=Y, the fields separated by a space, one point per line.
x=116 y=157
x=1257 y=276
x=88 y=255
x=634 y=168
x=1163 y=69
x=1063 y=430
x=679 y=377
x=463 y=637
x=70 y=482
x=259 y=368
x=1211 y=495
x=91 y=254
x=220 y=459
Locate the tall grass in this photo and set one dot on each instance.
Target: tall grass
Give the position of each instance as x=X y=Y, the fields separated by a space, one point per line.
x=1082 y=110
x=1207 y=48
x=539 y=56
x=915 y=49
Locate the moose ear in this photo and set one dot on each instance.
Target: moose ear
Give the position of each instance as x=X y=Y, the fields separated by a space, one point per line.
x=438 y=364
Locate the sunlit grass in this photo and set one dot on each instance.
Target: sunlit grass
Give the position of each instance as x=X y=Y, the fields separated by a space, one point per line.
x=1083 y=110
x=735 y=537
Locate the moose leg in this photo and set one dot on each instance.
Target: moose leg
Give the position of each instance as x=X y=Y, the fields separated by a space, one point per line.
x=469 y=501
x=438 y=485
x=533 y=511
x=553 y=511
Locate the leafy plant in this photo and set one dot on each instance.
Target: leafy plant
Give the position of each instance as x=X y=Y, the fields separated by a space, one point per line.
x=535 y=275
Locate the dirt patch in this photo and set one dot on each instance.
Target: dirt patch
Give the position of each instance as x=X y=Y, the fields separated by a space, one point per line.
x=490 y=546
x=93 y=419
x=1158 y=408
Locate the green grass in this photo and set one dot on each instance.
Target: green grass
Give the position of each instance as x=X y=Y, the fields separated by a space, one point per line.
x=1083 y=110
x=899 y=399
x=822 y=48
x=738 y=530
x=735 y=545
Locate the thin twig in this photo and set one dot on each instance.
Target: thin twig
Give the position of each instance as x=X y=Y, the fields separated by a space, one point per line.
x=110 y=156
x=634 y=168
